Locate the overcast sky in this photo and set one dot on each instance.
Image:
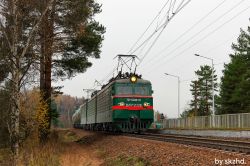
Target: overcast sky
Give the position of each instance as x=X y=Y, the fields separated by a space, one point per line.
x=126 y=20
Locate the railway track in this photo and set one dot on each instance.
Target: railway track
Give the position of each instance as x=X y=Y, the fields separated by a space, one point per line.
x=226 y=145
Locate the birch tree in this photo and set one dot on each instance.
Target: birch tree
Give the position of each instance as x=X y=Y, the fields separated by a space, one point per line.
x=17 y=42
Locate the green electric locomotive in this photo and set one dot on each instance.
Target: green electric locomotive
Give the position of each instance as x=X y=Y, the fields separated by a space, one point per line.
x=124 y=104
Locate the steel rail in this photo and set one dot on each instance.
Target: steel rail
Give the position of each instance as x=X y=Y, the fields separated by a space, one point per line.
x=226 y=145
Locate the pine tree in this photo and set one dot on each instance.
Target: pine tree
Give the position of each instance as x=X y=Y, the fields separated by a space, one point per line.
x=202 y=92
x=68 y=36
x=235 y=89
x=194 y=103
x=242 y=93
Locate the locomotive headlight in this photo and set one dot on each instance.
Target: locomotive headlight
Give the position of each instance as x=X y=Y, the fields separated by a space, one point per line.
x=133 y=79
x=146 y=104
x=121 y=104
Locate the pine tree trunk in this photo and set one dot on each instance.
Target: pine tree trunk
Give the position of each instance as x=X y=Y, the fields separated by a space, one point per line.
x=207 y=107
x=195 y=98
x=48 y=58
x=47 y=31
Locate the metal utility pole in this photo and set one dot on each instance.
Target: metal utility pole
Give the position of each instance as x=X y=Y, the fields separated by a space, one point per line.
x=195 y=98
x=178 y=92
x=213 y=110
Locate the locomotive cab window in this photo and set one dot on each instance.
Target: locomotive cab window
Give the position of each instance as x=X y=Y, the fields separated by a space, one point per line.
x=142 y=90
x=133 y=89
x=124 y=89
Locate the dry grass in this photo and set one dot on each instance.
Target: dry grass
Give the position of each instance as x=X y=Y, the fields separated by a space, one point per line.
x=46 y=155
x=124 y=160
x=64 y=148
x=5 y=157
x=78 y=151
x=67 y=148
x=35 y=154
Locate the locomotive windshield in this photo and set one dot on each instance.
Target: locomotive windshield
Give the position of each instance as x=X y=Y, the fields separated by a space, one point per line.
x=142 y=90
x=124 y=90
x=128 y=89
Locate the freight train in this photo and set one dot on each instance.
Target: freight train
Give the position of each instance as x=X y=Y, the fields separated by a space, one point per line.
x=124 y=104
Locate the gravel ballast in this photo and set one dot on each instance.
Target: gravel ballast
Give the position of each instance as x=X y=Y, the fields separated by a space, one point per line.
x=161 y=153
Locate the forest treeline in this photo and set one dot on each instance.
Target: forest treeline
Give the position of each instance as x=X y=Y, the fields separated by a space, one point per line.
x=232 y=94
x=66 y=106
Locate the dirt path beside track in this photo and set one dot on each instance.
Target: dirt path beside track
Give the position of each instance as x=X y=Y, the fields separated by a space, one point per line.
x=76 y=153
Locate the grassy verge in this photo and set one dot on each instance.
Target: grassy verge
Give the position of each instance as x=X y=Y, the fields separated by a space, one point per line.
x=32 y=156
x=5 y=158
x=35 y=154
x=67 y=136
x=120 y=160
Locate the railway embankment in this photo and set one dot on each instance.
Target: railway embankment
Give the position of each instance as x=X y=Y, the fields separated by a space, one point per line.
x=165 y=153
x=240 y=134
x=76 y=147
x=122 y=150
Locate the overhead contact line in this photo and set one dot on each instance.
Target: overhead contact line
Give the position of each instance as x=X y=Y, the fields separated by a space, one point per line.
x=204 y=37
x=188 y=30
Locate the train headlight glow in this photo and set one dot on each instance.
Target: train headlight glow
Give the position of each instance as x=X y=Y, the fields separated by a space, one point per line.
x=121 y=104
x=146 y=104
x=133 y=79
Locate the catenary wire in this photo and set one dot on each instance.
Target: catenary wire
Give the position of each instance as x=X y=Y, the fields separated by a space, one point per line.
x=129 y=52
x=187 y=41
x=188 y=30
x=206 y=52
x=161 y=26
x=164 y=26
x=148 y=27
x=204 y=37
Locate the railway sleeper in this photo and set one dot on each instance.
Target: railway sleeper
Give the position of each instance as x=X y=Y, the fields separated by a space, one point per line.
x=214 y=145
